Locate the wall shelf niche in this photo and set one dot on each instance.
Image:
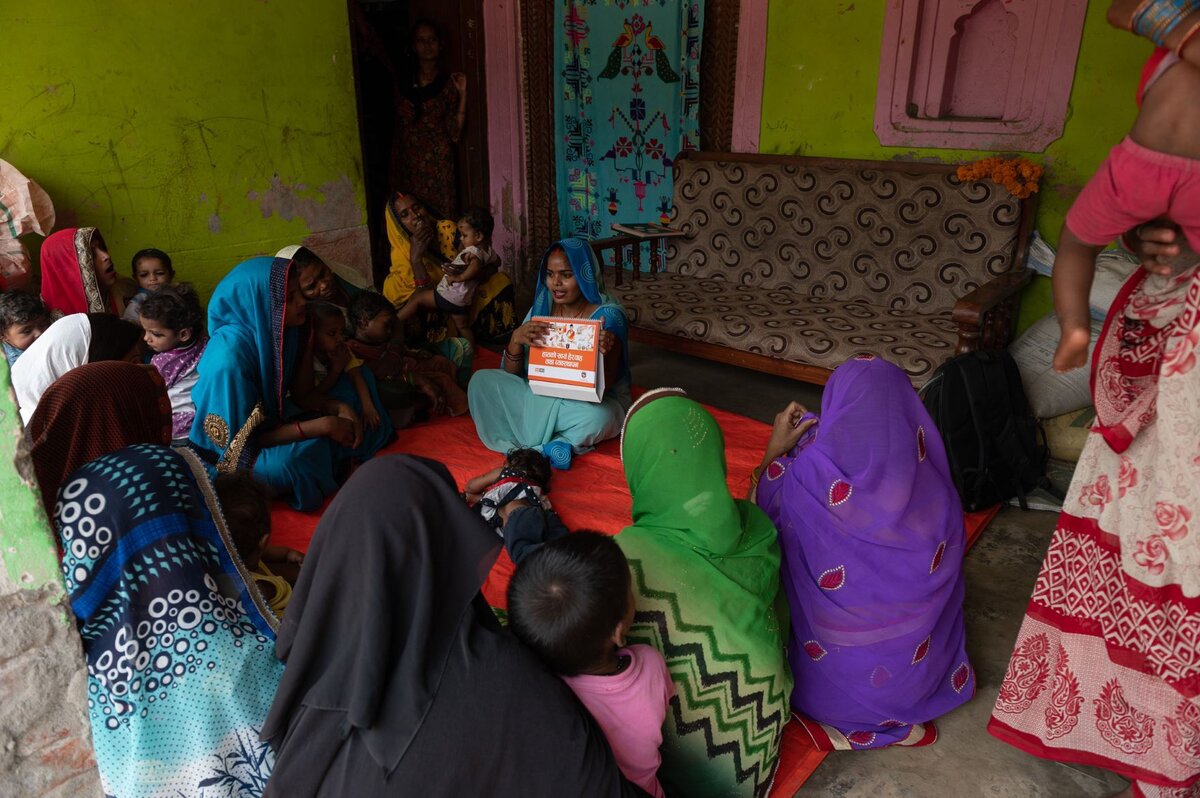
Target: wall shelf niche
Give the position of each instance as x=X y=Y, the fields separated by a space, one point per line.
x=977 y=74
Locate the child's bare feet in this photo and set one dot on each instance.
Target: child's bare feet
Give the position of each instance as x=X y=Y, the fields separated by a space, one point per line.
x=1072 y=349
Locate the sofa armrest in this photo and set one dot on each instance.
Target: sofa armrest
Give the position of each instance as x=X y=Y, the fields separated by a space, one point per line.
x=986 y=316
x=617 y=244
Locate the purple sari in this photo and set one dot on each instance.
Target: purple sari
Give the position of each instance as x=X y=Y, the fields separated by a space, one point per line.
x=872 y=536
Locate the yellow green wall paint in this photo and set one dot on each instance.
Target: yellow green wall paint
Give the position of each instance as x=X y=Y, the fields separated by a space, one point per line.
x=215 y=130
x=822 y=65
x=28 y=552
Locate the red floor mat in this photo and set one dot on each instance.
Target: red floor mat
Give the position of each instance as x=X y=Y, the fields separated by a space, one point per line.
x=591 y=495
x=798 y=758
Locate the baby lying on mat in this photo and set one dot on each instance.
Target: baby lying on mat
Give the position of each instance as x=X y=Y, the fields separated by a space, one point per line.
x=512 y=500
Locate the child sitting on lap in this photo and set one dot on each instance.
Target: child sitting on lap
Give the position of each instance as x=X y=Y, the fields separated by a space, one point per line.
x=23 y=317
x=173 y=327
x=152 y=271
x=333 y=358
x=571 y=602
x=1153 y=173
x=246 y=507
x=401 y=373
x=456 y=290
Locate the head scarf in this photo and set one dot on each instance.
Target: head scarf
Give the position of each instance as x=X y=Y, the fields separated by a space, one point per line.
x=400 y=284
x=706 y=579
x=378 y=652
x=590 y=278
x=249 y=359
x=68 y=271
x=411 y=659
x=248 y=362
x=178 y=642
x=91 y=411
x=394 y=660
x=872 y=536
x=68 y=343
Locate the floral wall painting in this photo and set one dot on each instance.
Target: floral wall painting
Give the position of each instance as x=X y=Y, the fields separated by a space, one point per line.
x=627 y=102
x=977 y=74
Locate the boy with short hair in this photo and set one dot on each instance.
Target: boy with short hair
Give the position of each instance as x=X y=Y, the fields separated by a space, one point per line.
x=23 y=317
x=571 y=601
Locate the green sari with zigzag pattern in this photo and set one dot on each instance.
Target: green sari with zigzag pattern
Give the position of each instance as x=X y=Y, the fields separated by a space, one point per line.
x=706 y=579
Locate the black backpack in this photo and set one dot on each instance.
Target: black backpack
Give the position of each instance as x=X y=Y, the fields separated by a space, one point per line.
x=995 y=446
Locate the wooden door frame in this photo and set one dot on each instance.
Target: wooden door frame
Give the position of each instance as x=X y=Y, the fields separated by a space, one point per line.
x=506 y=101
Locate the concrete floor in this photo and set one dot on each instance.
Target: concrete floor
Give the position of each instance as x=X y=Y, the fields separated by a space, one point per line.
x=1000 y=571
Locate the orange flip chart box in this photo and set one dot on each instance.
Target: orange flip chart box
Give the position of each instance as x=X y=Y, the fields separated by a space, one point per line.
x=570 y=364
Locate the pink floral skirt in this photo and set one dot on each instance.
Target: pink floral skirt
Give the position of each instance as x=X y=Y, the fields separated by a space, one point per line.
x=1106 y=667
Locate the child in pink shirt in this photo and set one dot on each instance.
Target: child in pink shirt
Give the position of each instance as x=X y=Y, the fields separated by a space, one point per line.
x=571 y=601
x=1153 y=174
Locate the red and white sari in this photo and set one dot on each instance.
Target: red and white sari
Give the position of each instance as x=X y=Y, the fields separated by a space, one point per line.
x=1106 y=668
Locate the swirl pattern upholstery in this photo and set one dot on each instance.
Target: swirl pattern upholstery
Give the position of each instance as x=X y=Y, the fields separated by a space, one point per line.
x=816 y=260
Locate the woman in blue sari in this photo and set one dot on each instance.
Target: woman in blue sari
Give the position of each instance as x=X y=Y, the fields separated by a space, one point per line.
x=180 y=646
x=508 y=414
x=259 y=349
x=318 y=283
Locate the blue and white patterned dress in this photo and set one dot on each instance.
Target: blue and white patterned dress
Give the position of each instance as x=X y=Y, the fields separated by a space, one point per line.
x=180 y=648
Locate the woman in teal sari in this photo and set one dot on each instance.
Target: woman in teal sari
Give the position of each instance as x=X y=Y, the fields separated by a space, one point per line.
x=259 y=350
x=508 y=414
x=318 y=283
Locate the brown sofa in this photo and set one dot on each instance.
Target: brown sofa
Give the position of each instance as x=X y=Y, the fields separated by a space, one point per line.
x=790 y=265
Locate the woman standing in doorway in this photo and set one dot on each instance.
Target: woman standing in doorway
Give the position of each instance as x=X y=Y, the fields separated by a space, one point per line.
x=432 y=113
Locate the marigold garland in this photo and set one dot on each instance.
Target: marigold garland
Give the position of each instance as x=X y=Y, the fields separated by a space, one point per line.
x=1019 y=175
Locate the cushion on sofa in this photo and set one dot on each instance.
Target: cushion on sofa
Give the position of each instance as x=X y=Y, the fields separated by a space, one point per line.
x=909 y=237
x=787 y=323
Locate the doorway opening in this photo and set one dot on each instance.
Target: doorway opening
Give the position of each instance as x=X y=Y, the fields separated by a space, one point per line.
x=385 y=77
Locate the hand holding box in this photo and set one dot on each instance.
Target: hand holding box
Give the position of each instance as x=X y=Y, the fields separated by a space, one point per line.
x=569 y=364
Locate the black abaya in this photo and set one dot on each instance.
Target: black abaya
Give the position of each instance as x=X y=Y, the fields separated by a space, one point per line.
x=399 y=681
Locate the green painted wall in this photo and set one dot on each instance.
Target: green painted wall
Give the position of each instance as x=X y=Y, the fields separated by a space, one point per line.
x=28 y=551
x=214 y=130
x=822 y=66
